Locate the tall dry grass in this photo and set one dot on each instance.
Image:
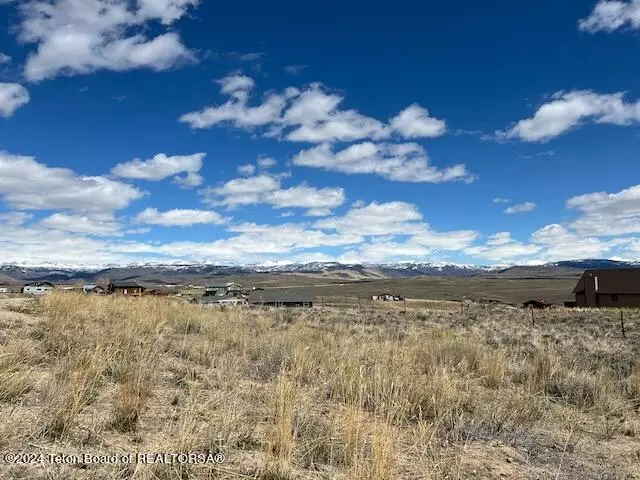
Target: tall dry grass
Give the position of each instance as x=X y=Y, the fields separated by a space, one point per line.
x=316 y=394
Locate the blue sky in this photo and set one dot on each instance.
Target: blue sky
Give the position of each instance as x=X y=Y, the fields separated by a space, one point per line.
x=245 y=132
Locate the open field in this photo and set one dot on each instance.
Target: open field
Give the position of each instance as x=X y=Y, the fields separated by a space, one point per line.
x=514 y=291
x=321 y=393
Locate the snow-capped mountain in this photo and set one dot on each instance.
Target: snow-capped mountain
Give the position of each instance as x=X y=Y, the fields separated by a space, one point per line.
x=197 y=273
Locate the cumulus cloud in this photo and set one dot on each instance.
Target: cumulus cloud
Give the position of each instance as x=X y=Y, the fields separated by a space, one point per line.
x=605 y=213
x=309 y=115
x=406 y=162
x=247 y=169
x=415 y=122
x=81 y=36
x=266 y=162
x=27 y=184
x=521 y=208
x=162 y=166
x=391 y=218
x=561 y=244
x=267 y=189
x=568 y=110
x=501 y=247
x=179 y=217
x=190 y=180
x=255 y=242
x=610 y=15
x=12 y=97
x=383 y=222
x=236 y=111
x=95 y=224
x=320 y=201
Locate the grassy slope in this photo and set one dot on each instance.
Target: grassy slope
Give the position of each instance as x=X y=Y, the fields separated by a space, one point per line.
x=319 y=394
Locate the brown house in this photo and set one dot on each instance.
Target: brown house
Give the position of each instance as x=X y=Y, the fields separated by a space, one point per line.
x=129 y=288
x=609 y=288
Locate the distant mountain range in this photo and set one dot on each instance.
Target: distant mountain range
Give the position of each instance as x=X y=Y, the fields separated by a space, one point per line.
x=183 y=274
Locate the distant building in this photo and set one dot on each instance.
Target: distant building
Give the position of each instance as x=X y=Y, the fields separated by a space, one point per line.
x=94 y=289
x=223 y=289
x=220 y=301
x=129 y=288
x=618 y=287
x=4 y=289
x=37 y=288
x=283 y=297
x=387 y=297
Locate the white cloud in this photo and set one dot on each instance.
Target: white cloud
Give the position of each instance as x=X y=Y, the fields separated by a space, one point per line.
x=190 y=180
x=178 y=217
x=501 y=200
x=266 y=162
x=4 y=58
x=247 y=169
x=241 y=191
x=610 y=15
x=12 y=97
x=27 y=184
x=452 y=240
x=255 y=243
x=520 y=208
x=82 y=36
x=294 y=69
x=385 y=221
x=267 y=189
x=406 y=162
x=502 y=247
x=236 y=111
x=318 y=212
x=391 y=218
x=500 y=238
x=561 y=244
x=95 y=224
x=237 y=86
x=316 y=118
x=15 y=218
x=607 y=213
x=37 y=244
x=415 y=122
x=384 y=252
x=162 y=166
x=310 y=115
x=568 y=110
x=320 y=201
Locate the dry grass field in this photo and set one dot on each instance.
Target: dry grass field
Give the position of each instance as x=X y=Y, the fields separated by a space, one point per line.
x=324 y=393
x=506 y=290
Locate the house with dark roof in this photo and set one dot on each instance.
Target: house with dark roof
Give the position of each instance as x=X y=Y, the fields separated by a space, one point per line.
x=223 y=289
x=93 y=289
x=609 y=288
x=130 y=288
x=283 y=297
x=219 y=301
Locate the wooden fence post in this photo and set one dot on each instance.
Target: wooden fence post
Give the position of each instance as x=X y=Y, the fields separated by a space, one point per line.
x=624 y=334
x=533 y=318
